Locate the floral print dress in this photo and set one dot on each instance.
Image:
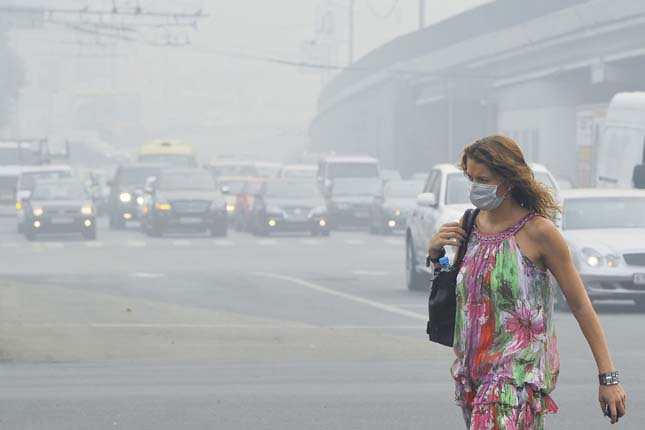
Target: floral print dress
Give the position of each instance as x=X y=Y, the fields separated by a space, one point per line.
x=507 y=359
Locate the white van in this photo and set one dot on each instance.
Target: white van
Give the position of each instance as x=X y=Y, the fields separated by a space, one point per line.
x=346 y=167
x=621 y=145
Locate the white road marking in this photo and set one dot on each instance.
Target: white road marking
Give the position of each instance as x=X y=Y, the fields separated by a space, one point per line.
x=310 y=241
x=9 y=245
x=413 y=305
x=212 y=326
x=53 y=245
x=95 y=244
x=370 y=272
x=354 y=241
x=267 y=242
x=223 y=242
x=346 y=296
x=145 y=275
x=136 y=243
x=181 y=243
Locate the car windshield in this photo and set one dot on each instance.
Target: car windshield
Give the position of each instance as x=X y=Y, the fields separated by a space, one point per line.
x=175 y=181
x=29 y=179
x=268 y=170
x=457 y=192
x=234 y=170
x=59 y=191
x=299 y=173
x=136 y=176
x=355 y=188
x=291 y=190
x=352 y=170
x=601 y=213
x=402 y=189
x=179 y=160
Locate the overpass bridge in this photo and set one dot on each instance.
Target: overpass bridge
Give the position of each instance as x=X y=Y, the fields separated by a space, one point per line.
x=541 y=72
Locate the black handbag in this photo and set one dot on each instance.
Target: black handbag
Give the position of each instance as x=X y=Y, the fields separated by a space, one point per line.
x=442 y=304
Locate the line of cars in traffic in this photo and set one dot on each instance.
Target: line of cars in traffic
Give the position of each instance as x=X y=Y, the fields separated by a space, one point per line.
x=605 y=228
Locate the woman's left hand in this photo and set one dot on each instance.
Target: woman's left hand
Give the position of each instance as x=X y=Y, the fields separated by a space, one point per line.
x=615 y=397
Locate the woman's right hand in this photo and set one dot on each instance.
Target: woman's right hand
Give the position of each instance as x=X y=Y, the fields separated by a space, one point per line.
x=450 y=234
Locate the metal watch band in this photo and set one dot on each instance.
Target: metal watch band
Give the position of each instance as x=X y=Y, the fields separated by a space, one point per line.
x=609 y=378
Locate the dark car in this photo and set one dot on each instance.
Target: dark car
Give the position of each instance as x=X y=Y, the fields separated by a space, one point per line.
x=349 y=202
x=392 y=205
x=183 y=200
x=126 y=191
x=59 y=206
x=289 y=206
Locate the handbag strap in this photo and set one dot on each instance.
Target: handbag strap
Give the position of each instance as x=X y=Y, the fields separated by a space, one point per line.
x=467 y=223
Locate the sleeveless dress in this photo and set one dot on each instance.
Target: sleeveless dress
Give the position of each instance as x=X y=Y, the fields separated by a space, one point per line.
x=507 y=359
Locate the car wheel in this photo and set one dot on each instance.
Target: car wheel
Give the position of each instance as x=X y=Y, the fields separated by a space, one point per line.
x=117 y=223
x=326 y=232
x=259 y=229
x=89 y=234
x=219 y=229
x=373 y=226
x=20 y=228
x=415 y=281
x=640 y=304
x=30 y=234
x=154 y=229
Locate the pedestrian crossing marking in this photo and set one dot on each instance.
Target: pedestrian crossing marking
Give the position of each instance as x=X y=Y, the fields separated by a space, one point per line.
x=136 y=244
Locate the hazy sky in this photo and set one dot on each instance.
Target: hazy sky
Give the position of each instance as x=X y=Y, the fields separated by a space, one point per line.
x=208 y=84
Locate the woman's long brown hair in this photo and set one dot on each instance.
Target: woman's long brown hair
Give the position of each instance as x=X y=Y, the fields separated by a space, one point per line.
x=504 y=158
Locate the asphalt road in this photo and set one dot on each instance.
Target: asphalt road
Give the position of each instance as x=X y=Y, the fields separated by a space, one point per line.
x=289 y=332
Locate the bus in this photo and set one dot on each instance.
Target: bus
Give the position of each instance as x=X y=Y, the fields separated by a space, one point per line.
x=170 y=152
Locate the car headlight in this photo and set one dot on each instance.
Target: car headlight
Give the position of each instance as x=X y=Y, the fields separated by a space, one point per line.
x=125 y=197
x=37 y=211
x=230 y=207
x=140 y=200
x=87 y=210
x=591 y=257
x=397 y=212
x=275 y=210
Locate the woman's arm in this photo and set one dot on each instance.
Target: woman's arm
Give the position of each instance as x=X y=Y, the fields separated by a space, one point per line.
x=557 y=258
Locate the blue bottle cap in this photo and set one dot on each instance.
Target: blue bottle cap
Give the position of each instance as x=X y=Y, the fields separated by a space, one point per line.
x=444 y=261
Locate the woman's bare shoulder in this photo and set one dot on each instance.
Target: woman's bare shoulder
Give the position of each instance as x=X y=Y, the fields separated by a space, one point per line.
x=542 y=229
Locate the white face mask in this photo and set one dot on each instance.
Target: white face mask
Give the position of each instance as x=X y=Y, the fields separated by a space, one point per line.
x=485 y=197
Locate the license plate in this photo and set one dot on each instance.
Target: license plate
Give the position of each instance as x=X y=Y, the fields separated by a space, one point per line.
x=639 y=279
x=191 y=220
x=62 y=220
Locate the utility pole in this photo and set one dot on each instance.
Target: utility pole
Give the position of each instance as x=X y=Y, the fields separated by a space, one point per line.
x=350 y=33
x=422 y=14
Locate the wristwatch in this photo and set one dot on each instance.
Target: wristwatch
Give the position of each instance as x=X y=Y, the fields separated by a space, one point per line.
x=609 y=378
x=430 y=260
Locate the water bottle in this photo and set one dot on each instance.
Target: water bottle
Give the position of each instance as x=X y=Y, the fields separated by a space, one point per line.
x=445 y=264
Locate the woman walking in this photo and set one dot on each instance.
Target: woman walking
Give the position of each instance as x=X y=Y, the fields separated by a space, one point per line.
x=507 y=360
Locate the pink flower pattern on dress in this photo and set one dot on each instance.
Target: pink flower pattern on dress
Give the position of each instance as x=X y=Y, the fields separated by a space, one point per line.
x=527 y=326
